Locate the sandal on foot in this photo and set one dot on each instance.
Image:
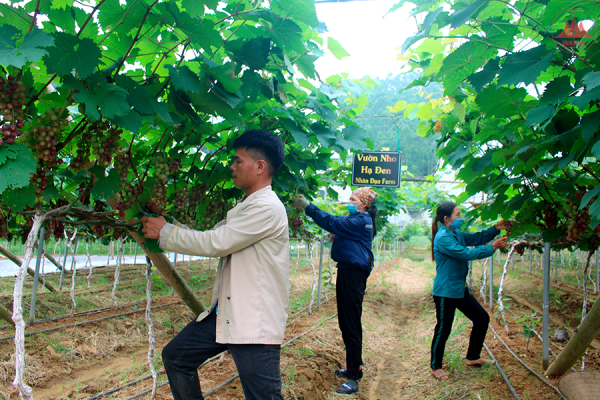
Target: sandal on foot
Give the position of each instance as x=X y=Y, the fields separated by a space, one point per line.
x=346 y=388
x=343 y=373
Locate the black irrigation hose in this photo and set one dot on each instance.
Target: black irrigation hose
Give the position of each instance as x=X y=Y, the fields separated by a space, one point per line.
x=510 y=386
x=525 y=365
x=92 y=320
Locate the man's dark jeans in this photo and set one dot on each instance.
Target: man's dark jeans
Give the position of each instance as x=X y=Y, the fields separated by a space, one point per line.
x=257 y=364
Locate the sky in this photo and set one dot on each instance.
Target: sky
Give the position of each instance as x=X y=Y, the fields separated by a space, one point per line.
x=372 y=40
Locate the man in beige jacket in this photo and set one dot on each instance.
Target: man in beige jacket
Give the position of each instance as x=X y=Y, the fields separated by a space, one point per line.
x=249 y=307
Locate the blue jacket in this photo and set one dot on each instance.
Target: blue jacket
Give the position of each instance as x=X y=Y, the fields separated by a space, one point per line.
x=353 y=237
x=451 y=255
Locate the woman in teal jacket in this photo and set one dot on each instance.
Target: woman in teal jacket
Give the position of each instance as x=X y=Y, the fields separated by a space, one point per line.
x=450 y=291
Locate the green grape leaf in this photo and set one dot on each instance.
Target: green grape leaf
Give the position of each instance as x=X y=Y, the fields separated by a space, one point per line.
x=110 y=99
x=201 y=33
x=299 y=135
x=254 y=52
x=462 y=63
x=306 y=65
x=16 y=172
x=539 y=114
x=196 y=8
x=525 y=66
x=287 y=34
x=19 y=198
x=502 y=102
x=17 y=16
x=485 y=76
x=31 y=48
x=556 y=91
x=8 y=153
x=72 y=53
x=183 y=78
x=459 y=18
x=591 y=80
x=301 y=10
x=106 y=187
x=336 y=48
x=584 y=99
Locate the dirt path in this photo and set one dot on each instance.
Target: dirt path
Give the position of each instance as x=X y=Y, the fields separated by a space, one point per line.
x=398 y=321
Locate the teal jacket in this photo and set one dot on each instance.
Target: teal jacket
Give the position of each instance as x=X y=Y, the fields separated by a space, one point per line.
x=451 y=256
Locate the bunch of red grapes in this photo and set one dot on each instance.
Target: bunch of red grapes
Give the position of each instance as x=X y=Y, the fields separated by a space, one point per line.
x=43 y=136
x=295 y=221
x=580 y=219
x=12 y=102
x=3 y=225
x=82 y=156
x=180 y=205
x=104 y=142
x=215 y=209
x=128 y=192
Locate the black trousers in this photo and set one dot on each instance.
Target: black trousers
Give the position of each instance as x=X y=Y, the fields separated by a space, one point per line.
x=445 y=308
x=257 y=364
x=350 y=291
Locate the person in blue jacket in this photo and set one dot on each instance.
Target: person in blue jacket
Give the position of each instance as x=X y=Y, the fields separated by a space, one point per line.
x=352 y=250
x=450 y=291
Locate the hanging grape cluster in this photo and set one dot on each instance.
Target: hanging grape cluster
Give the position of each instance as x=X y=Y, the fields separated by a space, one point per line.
x=215 y=209
x=104 y=142
x=295 y=221
x=82 y=156
x=3 y=225
x=127 y=191
x=550 y=217
x=579 y=222
x=196 y=194
x=161 y=173
x=58 y=228
x=12 y=102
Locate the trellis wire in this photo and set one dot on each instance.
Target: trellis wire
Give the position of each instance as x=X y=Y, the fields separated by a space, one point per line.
x=25 y=392
x=151 y=339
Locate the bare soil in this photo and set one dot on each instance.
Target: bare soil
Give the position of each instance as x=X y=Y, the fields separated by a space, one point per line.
x=398 y=320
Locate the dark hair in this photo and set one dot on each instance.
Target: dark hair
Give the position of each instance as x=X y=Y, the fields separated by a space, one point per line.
x=444 y=210
x=373 y=213
x=265 y=145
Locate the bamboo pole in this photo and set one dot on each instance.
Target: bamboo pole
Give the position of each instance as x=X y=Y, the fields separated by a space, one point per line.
x=6 y=315
x=30 y=271
x=579 y=343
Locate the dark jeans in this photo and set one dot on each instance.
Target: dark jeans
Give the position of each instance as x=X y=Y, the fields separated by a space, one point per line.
x=444 y=312
x=350 y=290
x=257 y=364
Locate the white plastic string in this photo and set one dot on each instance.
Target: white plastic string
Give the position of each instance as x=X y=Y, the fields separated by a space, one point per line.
x=151 y=339
x=25 y=392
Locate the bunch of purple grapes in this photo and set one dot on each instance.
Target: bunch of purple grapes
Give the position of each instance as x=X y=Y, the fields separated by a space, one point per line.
x=12 y=102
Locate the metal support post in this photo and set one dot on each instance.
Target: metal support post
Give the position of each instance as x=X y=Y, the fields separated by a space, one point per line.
x=135 y=256
x=546 y=307
x=530 y=260
x=491 y=283
x=62 y=272
x=555 y=266
x=36 y=275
